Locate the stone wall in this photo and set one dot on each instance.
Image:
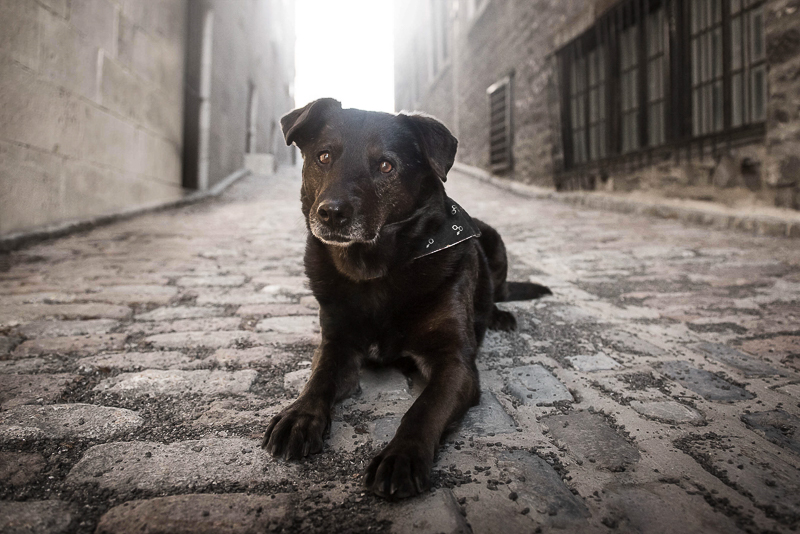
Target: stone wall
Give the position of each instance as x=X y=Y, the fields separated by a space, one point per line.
x=253 y=50
x=91 y=100
x=783 y=116
x=520 y=37
x=93 y=97
x=503 y=37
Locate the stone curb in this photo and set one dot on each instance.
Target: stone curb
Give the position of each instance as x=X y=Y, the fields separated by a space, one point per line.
x=754 y=224
x=20 y=240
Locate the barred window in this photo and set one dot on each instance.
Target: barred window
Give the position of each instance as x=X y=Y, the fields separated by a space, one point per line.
x=656 y=73
x=629 y=88
x=500 y=144
x=748 y=63
x=656 y=77
x=597 y=103
x=706 y=66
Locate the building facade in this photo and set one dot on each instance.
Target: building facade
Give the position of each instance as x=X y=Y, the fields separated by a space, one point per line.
x=98 y=111
x=685 y=98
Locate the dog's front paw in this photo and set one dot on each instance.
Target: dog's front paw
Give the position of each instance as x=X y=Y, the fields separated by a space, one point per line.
x=399 y=471
x=296 y=432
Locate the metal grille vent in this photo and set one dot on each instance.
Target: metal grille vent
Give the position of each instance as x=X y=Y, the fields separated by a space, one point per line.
x=500 y=142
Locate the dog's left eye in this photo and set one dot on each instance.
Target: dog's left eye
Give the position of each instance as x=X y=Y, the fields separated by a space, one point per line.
x=386 y=167
x=324 y=158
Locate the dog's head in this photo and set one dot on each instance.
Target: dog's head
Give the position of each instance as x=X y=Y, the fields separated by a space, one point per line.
x=364 y=169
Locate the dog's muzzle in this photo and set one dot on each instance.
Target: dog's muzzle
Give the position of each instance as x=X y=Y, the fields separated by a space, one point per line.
x=335 y=223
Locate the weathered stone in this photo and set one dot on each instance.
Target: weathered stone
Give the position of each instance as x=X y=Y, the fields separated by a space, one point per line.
x=589 y=363
x=535 y=385
x=77 y=345
x=295 y=381
x=147 y=466
x=232 y=513
x=255 y=357
x=173 y=313
x=629 y=342
x=384 y=429
x=241 y=297
x=769 y=481
x=298 y=324
x=16 y=390
x=384 y=385
x=438 y=512
x=590 y=439
x=275 y=310
x=36 y=517
x=704 y=383
x=777 y=426
x=749 y=365
x=172 y=382
x=671 y=411
x=31 y=312
x=211 y=281
x=213 y=340
x=67 y=328
x=27 y=365
x=538 y=488
x=134 y=294
x=206 y=324
x=61 y=421
x=341 y=437
x=6 y=344
x=20 y=468
x=133 y=361
x=489 y=417
x=662 y=508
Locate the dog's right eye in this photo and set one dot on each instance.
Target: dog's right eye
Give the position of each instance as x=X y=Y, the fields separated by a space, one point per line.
x=324 y=158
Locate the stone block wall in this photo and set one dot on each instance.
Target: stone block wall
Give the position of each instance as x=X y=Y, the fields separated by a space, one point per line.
x=91 y=108
x=521 y=37
x=783 y=115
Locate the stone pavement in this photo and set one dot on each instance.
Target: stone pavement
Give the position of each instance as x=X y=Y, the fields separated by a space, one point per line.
x=655 y=391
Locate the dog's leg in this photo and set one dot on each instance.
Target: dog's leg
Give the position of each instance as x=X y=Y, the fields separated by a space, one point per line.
x=403 y=468
x=299 y=429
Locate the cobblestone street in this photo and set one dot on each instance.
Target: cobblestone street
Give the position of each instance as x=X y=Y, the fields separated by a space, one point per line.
x=656 y=391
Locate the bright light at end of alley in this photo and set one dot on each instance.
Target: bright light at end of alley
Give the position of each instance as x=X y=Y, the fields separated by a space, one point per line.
x=345 y=50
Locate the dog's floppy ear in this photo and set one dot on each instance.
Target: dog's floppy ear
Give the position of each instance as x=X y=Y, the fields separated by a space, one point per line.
x=295 y=123
x=438 y=144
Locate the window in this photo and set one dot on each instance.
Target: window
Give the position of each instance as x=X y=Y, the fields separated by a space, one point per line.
x=656 y=78
x=578 y=109
x=597 y=103
x=627 y=88
x=500 y=157
x=748 y=63
x=706 y=39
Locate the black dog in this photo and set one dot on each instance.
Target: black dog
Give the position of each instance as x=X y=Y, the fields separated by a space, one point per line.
x=399 y=270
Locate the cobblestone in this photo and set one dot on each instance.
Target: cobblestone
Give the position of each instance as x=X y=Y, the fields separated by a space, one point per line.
x=36 y=517
x=62 y=421
x=193 y=464
x=655 y=391
x=77 y=345
x=20 y=468
x=533 y=384
x=17 y=389
x=233 y=513
x=176 y=382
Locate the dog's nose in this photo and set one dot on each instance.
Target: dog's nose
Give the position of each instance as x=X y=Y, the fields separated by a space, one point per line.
x=335 y=213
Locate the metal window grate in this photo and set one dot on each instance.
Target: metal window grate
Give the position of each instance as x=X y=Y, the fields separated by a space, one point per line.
x=652 y=76
x=500 y=134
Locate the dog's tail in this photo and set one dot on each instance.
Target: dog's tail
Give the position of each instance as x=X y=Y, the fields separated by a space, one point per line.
x=526 y=291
